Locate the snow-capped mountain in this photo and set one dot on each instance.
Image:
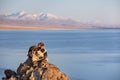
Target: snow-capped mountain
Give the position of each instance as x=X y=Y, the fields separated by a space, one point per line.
x=44 y=21
x=27 y=16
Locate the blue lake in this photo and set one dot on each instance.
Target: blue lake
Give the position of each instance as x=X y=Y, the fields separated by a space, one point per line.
x=81 y=54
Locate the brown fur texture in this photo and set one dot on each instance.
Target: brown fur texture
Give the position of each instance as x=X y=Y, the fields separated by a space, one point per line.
x=36 y=67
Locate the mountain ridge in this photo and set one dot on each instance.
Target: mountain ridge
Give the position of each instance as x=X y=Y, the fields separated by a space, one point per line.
x=44 y=21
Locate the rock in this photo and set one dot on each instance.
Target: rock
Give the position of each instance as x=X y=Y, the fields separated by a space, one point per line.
x=51 y=72
x=54 y=73
x=36 y=67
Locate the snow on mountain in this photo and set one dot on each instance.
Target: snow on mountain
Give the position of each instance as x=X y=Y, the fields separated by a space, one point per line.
x=47 y=20
x=27 y=16
x=41 y=19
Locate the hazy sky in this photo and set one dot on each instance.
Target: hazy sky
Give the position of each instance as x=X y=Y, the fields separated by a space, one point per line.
x=100 y=11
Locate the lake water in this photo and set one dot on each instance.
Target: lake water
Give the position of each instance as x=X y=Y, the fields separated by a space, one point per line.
x=81 y=54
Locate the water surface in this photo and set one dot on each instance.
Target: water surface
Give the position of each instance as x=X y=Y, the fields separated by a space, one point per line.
x=81 y=54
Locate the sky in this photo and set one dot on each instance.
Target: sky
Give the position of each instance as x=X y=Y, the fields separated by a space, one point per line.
x=91 y=11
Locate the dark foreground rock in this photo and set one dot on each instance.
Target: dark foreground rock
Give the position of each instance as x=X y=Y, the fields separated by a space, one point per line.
x=36 y=67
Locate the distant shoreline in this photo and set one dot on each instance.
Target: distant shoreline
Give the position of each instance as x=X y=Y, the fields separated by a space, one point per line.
x=20 y=27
